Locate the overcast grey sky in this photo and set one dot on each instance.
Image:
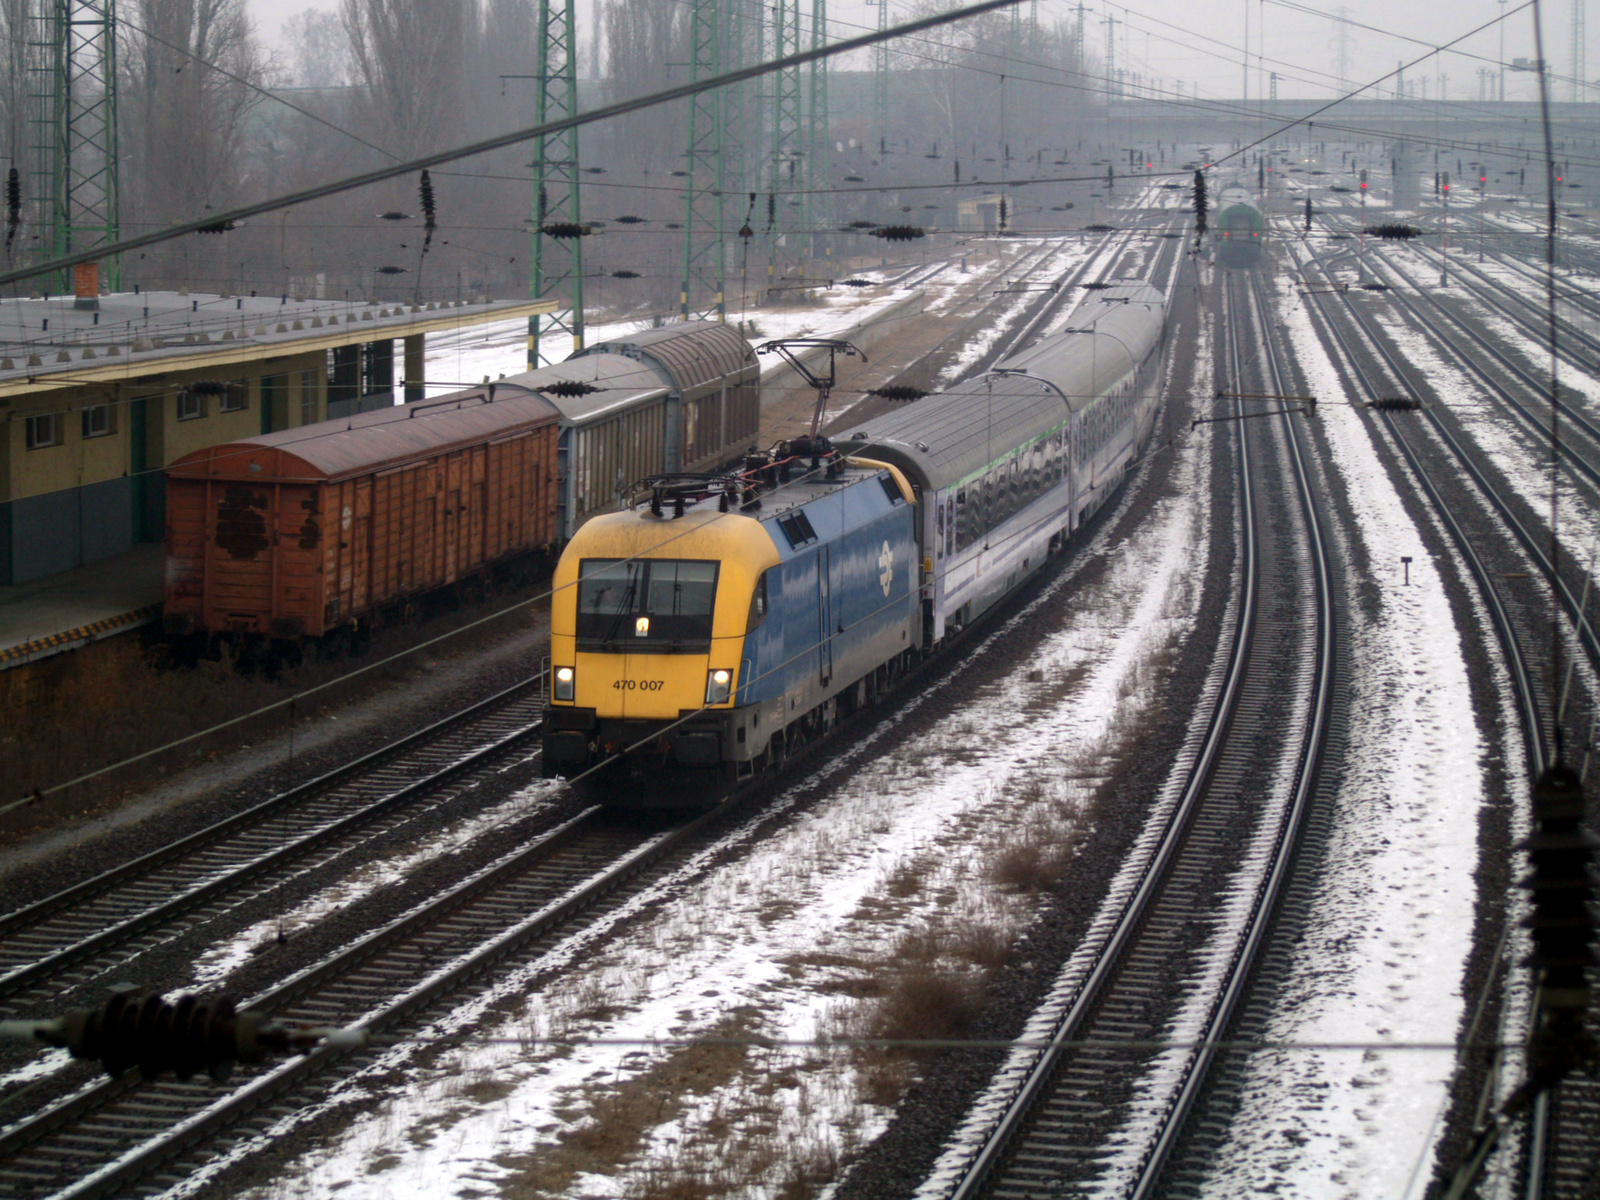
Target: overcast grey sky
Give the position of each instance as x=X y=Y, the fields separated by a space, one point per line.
x=1168 y=40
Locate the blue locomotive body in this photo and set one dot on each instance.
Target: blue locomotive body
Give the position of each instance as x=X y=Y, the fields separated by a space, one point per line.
x=795 y=601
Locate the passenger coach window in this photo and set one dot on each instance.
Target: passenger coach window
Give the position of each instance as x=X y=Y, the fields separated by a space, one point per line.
x=645 y=604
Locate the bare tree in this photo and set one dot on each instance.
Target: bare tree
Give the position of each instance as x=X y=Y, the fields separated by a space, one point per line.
x=319 y=49
x=191 y=73
x=407 y=59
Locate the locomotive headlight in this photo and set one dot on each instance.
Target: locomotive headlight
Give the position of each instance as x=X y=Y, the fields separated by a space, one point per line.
x=563 y=689
x=718 y=684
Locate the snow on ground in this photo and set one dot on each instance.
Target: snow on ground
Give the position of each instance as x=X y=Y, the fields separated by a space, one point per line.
x=774 y=943
x=1382 y=960
x=216 y=964
x=1191 y=475
x=1507 y=445
x=1533 y=351
x=1053 y=266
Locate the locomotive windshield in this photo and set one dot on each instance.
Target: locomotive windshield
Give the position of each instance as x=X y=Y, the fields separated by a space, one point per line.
x=650 y=604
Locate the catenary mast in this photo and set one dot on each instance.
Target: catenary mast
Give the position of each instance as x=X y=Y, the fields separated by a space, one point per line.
x=73 y=95
x=558 y=228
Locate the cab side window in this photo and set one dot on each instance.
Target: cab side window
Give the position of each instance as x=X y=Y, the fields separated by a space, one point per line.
x=758 y=604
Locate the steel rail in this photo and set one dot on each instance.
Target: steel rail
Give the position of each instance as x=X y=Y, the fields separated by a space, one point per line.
x=1533 y=725
x=29 y=914
x=385 y=954
x=1531 y=544
x=966 y=327
x=414 y=747
x=1306 y=777
x=1579 y=420
x=1038 y=1082
x=1496 y=298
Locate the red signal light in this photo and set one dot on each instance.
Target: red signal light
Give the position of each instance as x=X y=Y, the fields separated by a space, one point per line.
x=1363 y=185
x=1147 y=166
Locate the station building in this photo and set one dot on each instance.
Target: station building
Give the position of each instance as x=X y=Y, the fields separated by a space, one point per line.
x=99 y=393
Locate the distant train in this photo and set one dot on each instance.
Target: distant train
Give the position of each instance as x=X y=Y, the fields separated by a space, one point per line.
x=720 y=622
x=1241 y=229
x=330 y=528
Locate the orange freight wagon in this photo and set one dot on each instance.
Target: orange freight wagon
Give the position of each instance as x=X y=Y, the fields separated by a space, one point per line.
x=300 y=532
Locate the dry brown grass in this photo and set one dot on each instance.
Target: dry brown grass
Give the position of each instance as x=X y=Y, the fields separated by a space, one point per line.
x=739 y=1142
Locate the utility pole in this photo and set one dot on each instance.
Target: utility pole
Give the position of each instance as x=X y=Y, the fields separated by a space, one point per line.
x=1580 y=60
x=1444 y=253
x=1111 y=55
x=1502 y=62
x=1082 y=49
x=704 y=251
x=73 y=87
x=558 y=228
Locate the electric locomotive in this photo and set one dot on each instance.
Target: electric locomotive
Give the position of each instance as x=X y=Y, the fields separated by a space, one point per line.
x=717 y=623
x=701 y=634
x=1241 y=229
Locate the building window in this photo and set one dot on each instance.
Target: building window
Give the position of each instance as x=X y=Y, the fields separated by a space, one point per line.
x=191 y=405
x=344 y=374
x=99 y=420
x=44 y=430
x=235 y=397
x=308 y=397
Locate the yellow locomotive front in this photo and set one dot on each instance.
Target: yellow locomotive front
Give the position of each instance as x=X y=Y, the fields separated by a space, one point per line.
x=647 y=630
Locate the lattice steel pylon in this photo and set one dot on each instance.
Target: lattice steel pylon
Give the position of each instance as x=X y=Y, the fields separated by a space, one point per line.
x=558 y=228
x=785 y=254
x=73 y=91
x=816 y=208
x=704 y=290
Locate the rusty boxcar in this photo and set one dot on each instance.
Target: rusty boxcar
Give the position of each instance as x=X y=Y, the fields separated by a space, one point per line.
x=308 y=530
x=300 y=532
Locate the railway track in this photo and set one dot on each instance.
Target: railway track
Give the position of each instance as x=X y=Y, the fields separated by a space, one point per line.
x=1089 y=1117
x=1530 y=411
x=1558 y=1147
x=72 y=945
x=117 y=1132
x=1533 y=540
x=1526 y=309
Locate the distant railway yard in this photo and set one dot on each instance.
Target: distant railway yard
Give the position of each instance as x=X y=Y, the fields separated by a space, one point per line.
x=1062 y=715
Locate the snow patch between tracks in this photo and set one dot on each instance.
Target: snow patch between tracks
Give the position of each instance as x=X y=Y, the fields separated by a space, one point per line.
x=1393 y=918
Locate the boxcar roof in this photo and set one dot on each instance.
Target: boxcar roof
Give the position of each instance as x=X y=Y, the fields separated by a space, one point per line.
x=375 y=441
x=689 y=354
x=620 y=383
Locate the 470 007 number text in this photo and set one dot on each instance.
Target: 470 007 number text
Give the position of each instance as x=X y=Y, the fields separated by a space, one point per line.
x=639 y=685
